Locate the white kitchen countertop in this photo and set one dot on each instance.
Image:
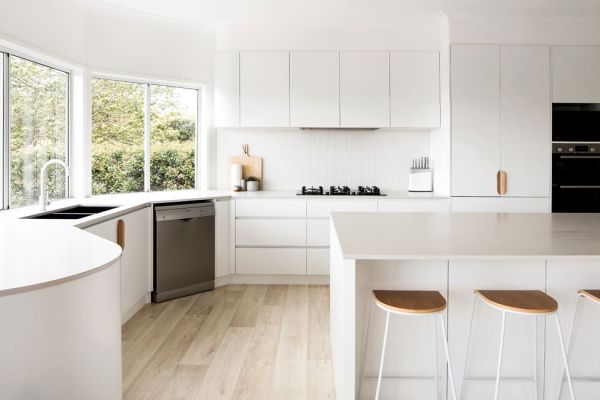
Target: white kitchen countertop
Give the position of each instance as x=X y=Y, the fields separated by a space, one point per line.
x=44 y=252
x=451 y=236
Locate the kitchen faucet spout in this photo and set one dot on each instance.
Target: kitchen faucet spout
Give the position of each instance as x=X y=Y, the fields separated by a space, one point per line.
x=43 y=194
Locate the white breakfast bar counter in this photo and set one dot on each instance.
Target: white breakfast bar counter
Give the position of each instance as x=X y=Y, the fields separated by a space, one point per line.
x=456 y=253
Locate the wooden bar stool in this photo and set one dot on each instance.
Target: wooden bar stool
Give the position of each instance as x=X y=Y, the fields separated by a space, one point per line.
x=592 y=295
x=522 y=302
x=411 y=303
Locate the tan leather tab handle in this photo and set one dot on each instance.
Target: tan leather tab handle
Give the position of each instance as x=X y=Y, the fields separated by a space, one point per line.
x=504 y=182
x=498 y=184
x=121 y=233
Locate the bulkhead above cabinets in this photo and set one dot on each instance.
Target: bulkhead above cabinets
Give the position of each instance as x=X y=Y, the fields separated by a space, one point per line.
x=328 y=89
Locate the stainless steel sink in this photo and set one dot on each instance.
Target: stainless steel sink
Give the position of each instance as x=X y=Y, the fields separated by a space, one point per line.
x=75 y=212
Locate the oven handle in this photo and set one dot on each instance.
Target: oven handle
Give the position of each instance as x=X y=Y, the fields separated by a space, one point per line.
x=579 y=156
x=579 y=186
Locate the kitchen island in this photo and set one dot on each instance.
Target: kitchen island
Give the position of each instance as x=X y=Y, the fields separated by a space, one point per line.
x=456 y=253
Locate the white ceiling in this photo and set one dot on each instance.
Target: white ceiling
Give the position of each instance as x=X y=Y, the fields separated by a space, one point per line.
x=215 y=12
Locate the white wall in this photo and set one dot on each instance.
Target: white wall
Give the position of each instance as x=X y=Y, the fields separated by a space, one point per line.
x=293 y=157
x=52 y=27
x=526 y=29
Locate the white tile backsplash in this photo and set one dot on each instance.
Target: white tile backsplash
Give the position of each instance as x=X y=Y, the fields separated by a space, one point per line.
x=294 y=157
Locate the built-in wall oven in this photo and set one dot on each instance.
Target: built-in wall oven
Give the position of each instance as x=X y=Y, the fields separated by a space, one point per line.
x=576 y=158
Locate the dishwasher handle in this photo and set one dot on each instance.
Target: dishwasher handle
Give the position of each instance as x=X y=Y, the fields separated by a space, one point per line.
x=184 y=214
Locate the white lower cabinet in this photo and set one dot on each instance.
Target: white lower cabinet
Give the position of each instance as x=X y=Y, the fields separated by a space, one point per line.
x=270 y=261
x=411 y=205
x=136 y=258
x=324 y=208
x=291 y=236
x=317 y=232
x=317 y=261
x=222 y=238
x=270 y=232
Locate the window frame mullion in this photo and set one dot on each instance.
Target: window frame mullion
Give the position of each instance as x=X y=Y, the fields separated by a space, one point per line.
x=5 y=138
x=147 y=129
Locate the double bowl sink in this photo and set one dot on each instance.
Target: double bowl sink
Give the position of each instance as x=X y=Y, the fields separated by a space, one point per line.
x=75 y=212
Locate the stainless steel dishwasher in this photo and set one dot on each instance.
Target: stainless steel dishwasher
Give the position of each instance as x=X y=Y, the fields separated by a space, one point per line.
x=184 y=249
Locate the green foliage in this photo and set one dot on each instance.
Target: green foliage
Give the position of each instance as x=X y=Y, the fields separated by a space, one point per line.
x=118 y=137
x=38 y=129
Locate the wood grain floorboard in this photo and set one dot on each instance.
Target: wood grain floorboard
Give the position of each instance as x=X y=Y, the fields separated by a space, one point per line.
x=239 y=342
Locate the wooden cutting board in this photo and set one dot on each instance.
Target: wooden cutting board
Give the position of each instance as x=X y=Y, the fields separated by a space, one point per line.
x=251 y=165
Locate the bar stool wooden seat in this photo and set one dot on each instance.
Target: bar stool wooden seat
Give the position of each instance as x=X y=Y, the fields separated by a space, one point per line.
x=411 y=303
x=524 y=302
x=591 y=294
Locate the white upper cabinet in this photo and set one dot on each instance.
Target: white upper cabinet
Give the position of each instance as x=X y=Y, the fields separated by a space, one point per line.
x=575 y=77
x=364 y=89
x=526 y=110
x=415 y=89
x=475 y=86
x=227 y=89
x=501 y=114
x=264 y=89
x=314 y=89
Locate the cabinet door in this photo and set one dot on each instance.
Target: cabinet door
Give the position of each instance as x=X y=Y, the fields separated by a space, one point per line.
x=270 y=261
x=475 y=80
x=264 y=89
x=526 y=112
x=135 y=259
x=315 y=89
x=222 y=241
x=227 y=89
x=415 y=89
x=364 y=89
x=575 y=77
x=317 y=261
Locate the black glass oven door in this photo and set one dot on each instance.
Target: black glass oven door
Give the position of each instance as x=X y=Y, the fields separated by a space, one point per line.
x=575 y=183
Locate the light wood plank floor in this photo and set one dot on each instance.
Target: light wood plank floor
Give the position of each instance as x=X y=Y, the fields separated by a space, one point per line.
x=236 y=342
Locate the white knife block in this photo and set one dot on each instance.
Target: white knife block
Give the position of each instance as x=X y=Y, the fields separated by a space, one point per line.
x=420 y=180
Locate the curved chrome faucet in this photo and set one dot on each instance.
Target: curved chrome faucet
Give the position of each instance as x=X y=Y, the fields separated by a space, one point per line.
x=43 y=194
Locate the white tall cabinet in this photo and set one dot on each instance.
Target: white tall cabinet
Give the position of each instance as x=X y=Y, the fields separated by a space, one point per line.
x=501 y=110
x=475 y=80
x=365 y=89
x=314 y=89
x=264 y=89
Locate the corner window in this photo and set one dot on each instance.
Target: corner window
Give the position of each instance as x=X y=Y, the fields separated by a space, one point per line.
x=143 y=137
x=37 y=105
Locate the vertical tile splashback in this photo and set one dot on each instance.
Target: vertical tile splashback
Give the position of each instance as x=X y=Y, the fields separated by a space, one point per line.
x=294 y=157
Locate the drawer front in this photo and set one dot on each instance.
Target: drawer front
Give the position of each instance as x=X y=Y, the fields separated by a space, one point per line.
x=317 y=232
x=317 y=261
x=270 y=208
x=323 y=208
x=270 y=232
x=270 y=261
x=430 y=205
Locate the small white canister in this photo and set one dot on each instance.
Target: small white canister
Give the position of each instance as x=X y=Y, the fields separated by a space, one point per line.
x=236 y=175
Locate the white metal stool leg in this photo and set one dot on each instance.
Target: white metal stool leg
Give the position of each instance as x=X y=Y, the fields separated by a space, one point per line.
x=450 y=374
x=364 y=357
x=462 y=389
x=437 y=358
x=564 y=356
x=502 y=329
x=385 y=335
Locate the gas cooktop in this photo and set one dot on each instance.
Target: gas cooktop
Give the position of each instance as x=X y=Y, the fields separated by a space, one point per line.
x=340 y=191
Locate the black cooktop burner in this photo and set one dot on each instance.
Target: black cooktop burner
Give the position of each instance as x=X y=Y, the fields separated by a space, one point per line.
x=340 y=191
